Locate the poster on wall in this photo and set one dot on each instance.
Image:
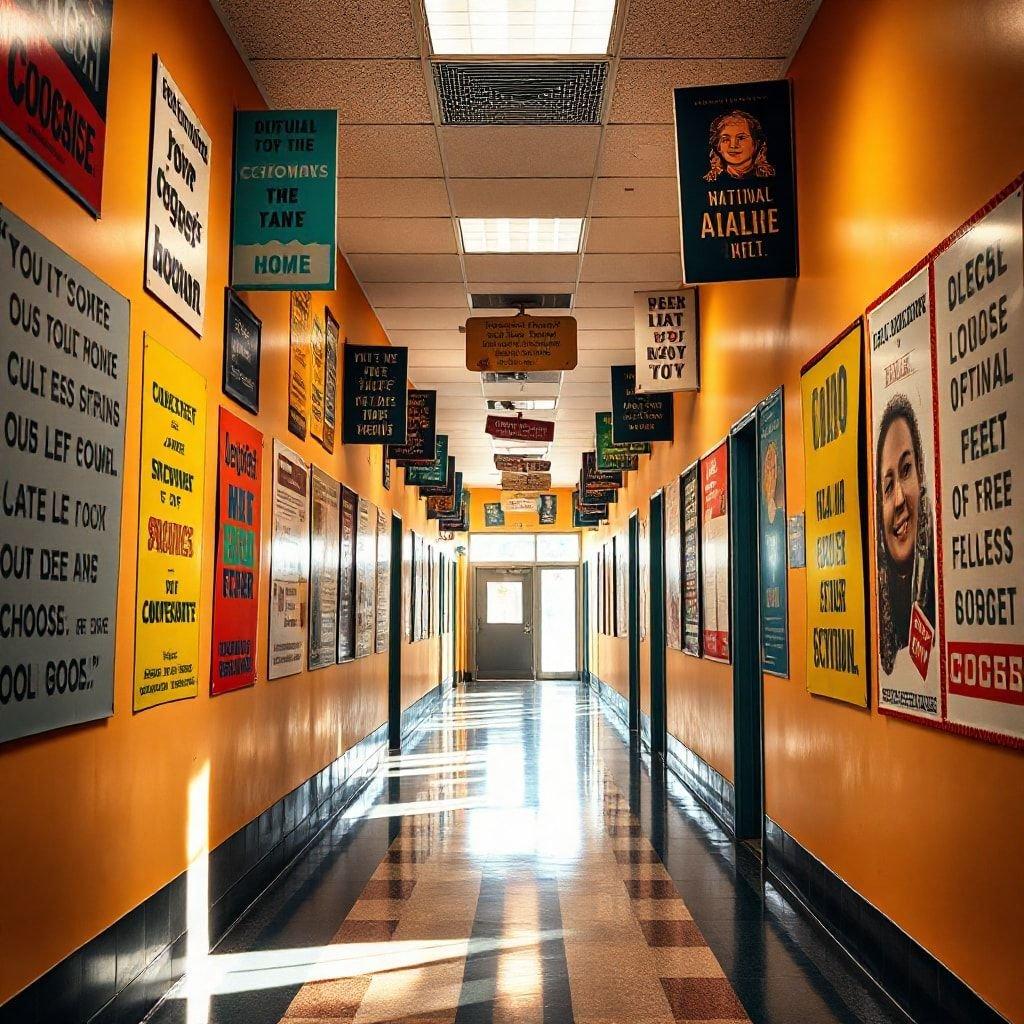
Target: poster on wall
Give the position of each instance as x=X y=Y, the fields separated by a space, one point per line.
x=324 y=554
x=716 y=640
x=178 y=211
x=903 y=510
x=673 y=567
x=53 y=50
x=421 y=430
x=332 y=335
x=494 y=514
x=366 y=573
x=383 y=581
x=347 y=574
x=979 y=328
x=737 y=183
x=374 y=401
x=236 y=575
x=284 y=214
x=172 y=472
x=771 y=538
x=289 y=564
x=638 y=417
x=830 y=399
x=300 y=339
x=666 y=339
x=599 y=588
x=643 y=570
x=242 y=342
x=689 y=487
x=317 y=373
x=408 y=543
x=622 y=585
x=61 y=476
x=547 y=509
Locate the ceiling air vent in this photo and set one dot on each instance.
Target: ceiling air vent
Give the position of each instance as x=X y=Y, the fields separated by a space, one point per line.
x=513 y=300
x=518 y=92
x=528 y=377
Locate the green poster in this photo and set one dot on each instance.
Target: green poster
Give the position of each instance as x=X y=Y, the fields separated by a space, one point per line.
x=616 y=456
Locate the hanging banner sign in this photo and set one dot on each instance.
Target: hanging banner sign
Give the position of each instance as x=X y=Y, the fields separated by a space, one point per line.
x=366 y=574
x=421 y=430
x=771 y=543
x=692 y=628
x=62 y=392
x=241 y=367
x=494 y=515
x=830 y=396
x=347 y=575
x=737 y=185
x=520 y=344
x=638 y=417
x=511 y=481
x=236 y=572
x=170 y=567
x=332 y=334
x=519 y=503
x=716 y=640
x=447 y=489
x=53 y=96
x=289 y=565
x=521 y=464
x=583 y=521
x=431 y=473
x=666 y=335
x=515 y=428
x=300 y=340
x=380 y=643
x=611 y=456
x=547 y=511
x=374 y=383
x=441 y=505
x=317 y=374
x=178 y=218
x=979 y=330
x=673 y=566
x=284 y=215
x=592 y=474
x=324 y=554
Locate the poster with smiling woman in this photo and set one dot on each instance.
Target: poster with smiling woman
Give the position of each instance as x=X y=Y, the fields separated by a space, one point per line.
x=902 y=472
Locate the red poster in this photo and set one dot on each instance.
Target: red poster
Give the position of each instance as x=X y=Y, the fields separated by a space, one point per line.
x=237 y=570
x=53 y=90
x=515 y=428
x=714 y=496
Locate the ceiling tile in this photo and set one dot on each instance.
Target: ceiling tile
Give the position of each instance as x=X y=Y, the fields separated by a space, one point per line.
x=396 y=234
x=453 y=358
x=520 y=287
x=633 y=234
x=388 y=151
x=438 y=338
x=573 y=388
x=618 y=293
x=415 y=296
x=604 y=318
x=426 y=319
x=653 y=267
x=520 y=268
x=529 y=151
x=639 y=150
x=393 y=197
x=636 y=197
x=604 y=357
x=396 y=268
x=590 y=340
x=520 y=197
x=439 y=377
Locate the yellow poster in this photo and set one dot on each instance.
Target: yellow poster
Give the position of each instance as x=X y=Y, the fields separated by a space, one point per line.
x=299 y=343
x=830 y=390
x=318 y=364
x=171 y=476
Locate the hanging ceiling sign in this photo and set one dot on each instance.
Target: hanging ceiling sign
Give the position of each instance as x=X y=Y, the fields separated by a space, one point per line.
x=511 y=481
x=638 y=417
x=285 y=207
x=737 y=186
x=374 y=386
x=616 y=456
x=515 y=428
x=591 y=473
x=441 y=489
x=665 y=334
x=520 y=344
x=421 y=431
x=440 y=506
x=581 y=517
x=521 y=464
x=435 y=472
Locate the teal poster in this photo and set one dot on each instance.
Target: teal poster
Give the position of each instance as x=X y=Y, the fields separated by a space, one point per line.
x=772 y=542
x=285 y=200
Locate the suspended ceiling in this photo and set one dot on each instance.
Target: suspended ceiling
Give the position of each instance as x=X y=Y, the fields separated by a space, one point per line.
x=405 y=178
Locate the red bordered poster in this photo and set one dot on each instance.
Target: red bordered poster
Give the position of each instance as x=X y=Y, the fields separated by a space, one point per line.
x=714 y=500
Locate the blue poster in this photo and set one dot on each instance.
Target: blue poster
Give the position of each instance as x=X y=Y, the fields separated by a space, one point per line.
x=772 y=536
x=283 y=235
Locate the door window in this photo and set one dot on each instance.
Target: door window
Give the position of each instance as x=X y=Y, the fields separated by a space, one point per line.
x=557 y=620
x=504 y=602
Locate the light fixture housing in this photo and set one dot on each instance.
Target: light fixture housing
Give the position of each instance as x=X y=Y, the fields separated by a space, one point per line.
x=521 y=234
x=521 y=404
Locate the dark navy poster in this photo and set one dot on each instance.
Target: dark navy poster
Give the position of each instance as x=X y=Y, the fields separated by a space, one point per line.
x=772 y=539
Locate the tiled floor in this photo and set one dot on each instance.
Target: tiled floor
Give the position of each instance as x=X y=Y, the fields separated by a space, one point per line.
x=521 y=864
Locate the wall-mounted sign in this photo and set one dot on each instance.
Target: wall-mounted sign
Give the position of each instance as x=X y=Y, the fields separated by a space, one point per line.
x=519 y=502
x=716 y=639
x=547 y=510
x=347 y=575
x=236 y=575
x=241 y=370
x=374 y=385
x=317 y=375
x=666 y=334
x=771 y=540
x=520 y=344
x=431 y=473
x=737 y=185
x=830 y=397
x=332 y=334
x=383 y=570
x=673 y=566
x=494 y=515
x=511 y=481
x=638 y=417
x=446 y=489
x=515 y=428
x=61 y=477
x=366 y=577
x=172 y=473
x=797 y=541
x=521 y=464
x=284 y=215
x=300 y=339
x=421 y=430
x=689 y=488
x=177 y=222
x=623 y=457
x=53 y=95
x=289 y=565
x=324 y=553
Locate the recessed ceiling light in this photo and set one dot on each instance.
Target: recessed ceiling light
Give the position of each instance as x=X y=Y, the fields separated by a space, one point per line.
x=496 y=27
x=521 y=404
x=521 y=234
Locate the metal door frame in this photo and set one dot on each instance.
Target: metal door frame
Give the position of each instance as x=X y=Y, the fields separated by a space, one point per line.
x=503 y=567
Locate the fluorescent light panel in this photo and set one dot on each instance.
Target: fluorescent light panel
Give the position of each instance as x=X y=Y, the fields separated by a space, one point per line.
x=521 y=404
x=521 y=234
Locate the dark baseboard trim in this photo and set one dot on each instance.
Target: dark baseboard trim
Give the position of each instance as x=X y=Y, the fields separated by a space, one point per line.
x=120 y=975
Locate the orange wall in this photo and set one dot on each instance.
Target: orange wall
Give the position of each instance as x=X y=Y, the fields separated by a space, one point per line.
x=907 y=119
x=95 y=817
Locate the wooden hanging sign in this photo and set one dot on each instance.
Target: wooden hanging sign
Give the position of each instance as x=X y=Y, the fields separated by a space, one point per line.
x=515 y=428
x=525 y=481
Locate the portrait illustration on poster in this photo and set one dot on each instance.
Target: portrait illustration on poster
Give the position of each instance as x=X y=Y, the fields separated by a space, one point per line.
x=324 y=553
x=673 y=567
x=773 y=575
x=547 y=509
x=716 y=639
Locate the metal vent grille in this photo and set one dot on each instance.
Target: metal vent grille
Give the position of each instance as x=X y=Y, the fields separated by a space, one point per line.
x=516 y=92
x=529 y=377
x=512 y=300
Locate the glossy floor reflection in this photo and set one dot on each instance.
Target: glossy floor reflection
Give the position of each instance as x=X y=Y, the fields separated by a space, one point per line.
x=521 y=863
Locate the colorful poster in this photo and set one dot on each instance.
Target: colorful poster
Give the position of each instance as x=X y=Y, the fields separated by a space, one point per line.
x=347 y=575
x=317 y=372
x=332 y=335
x=547 y=510
x=61 y=478
x=421 y=430
x=903 y=471
x=284 y=216
x=494 y=515
x=53 y=96
x=178 y=218
x=979 y=329
x=716 y=639
x=236 y=574
x=375 y=379
x=673 y=567
x=689 y=486
x=172 y=471
x=638 y=417
x=737 y=184
x=643 y=576
x=242 y=337
x=289 y=565
x=622 y=457
x=666 y=337
x=300 y=339
x=520 y=344
x=324 y=554
x=383 y=582
x=773 y=573
x=830 y=397
x=366 y=572
x=431 y=473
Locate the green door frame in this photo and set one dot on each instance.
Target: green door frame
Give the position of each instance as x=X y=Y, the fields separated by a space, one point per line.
x=395 y=637
x=659 y=724
x=585 y=615
x=634 y=621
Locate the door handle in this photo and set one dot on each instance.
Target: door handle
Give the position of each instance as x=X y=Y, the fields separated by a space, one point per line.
x=527 y=629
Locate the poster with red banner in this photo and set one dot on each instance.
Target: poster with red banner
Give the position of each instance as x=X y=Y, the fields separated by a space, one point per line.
x=237 y=569
x=53 y=92
x=714 y=499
